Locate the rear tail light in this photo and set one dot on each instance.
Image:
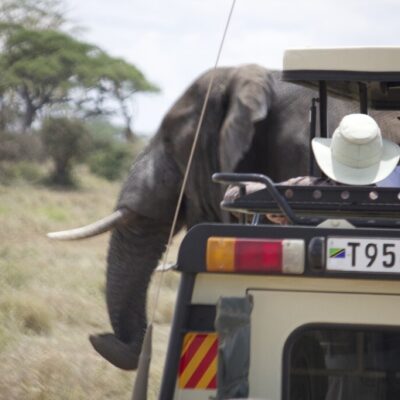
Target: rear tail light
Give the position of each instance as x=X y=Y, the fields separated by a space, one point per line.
x=225 y=254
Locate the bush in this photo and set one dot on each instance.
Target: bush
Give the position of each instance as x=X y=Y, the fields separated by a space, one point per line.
x=15 y=147
x=20 y=172
x=111 y=156
x=111 y=161
x=66 y=141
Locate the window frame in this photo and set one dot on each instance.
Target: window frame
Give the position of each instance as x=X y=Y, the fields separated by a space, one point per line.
x=296 y=334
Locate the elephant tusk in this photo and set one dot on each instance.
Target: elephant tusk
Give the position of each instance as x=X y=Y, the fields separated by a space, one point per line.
x=165 y=267
x=96 y=228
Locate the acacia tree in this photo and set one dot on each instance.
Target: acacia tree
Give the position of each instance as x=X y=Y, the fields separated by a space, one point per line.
x=33 y=14
x=15 y=14
x=124 y=81
x=42 y=67
x=118 y=80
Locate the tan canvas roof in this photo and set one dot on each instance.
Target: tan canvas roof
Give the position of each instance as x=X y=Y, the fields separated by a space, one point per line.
x=345 y=69
x=363 y=59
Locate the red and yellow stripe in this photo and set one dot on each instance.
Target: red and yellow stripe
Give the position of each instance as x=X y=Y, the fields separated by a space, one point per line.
x=198 y=364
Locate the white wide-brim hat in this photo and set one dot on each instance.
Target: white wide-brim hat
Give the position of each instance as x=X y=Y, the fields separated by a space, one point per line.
x=356 y=154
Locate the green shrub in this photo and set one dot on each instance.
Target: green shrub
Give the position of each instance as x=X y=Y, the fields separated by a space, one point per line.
x=66 y=141
x=110 y=162
x=20 y=172
x=14 y=147
x=110 y=155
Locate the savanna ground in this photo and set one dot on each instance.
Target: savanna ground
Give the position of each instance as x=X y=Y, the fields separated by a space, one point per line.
x=52 y=297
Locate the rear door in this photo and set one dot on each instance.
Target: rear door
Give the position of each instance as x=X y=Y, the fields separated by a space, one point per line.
x=282 y=318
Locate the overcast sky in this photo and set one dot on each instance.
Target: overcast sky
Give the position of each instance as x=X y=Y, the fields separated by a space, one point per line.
x=173 y=41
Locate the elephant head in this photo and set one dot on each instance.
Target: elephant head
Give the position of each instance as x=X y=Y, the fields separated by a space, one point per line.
x=253 y=123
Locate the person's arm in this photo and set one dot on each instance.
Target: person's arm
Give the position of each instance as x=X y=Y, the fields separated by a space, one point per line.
x=281 y=219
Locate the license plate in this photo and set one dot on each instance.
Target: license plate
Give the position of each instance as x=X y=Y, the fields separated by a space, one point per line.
x=374 y=255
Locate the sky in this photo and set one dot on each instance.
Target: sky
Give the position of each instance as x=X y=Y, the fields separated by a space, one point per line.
x=173 y=41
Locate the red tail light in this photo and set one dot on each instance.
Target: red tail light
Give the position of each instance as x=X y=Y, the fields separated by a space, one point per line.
x=226 y=254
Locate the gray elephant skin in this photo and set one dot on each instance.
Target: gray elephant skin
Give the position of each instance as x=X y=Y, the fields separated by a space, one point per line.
x=254 y=122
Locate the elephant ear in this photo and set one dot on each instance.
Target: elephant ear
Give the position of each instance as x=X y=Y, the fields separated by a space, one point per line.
x=250 y=94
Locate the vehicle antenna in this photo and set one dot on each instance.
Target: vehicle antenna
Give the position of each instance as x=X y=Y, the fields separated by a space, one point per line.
x=141 y=382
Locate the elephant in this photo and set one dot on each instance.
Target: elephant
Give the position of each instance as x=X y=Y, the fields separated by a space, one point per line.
x=254 y=122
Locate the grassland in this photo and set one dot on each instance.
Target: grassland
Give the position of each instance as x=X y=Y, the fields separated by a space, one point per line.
x=52 y=297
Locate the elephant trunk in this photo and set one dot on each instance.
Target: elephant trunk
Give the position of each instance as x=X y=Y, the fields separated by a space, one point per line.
x=133 y=253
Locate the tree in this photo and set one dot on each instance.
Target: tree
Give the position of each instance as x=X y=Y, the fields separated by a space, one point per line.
x=65 y=141
x=119 y=80
x=32 y=14
x=42 y=66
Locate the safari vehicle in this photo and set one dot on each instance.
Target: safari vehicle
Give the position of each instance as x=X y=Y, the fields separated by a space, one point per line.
x=309 y=310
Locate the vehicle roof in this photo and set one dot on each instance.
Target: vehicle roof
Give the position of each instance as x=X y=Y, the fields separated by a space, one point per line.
x=344 y=68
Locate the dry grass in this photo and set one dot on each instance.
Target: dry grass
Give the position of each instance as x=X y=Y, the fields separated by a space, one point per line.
x=52 y=298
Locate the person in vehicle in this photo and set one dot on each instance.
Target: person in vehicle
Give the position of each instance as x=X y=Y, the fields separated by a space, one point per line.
x=355 y=155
